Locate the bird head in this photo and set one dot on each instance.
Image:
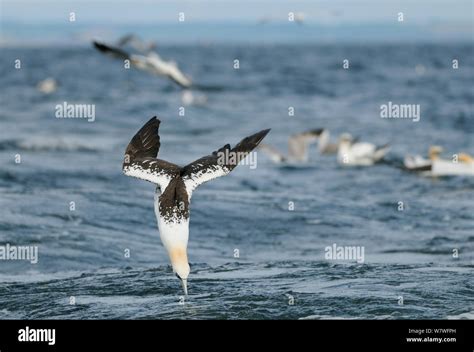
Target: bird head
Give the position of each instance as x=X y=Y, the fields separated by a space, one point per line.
x=179 y=262
x=434 y=152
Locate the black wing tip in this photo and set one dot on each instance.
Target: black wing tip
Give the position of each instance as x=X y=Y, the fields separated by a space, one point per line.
x=153 y=122
x=155 y=118
x=149 y=126
x=259 y=136
x=98 y=45
x=104 y=48
x=146 y=142
x=251 y=142
x=111 y=50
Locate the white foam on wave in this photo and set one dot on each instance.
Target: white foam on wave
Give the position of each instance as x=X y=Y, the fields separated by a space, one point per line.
x=328 y=317
x=65 y=143
x=325 y=317
x=462 y=316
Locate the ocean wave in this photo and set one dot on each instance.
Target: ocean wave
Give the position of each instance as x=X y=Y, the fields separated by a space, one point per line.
x=53 y=143
x=328 y=317
x=463 y=316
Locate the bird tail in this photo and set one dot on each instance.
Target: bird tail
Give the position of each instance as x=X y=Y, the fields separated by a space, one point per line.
x=381 y=151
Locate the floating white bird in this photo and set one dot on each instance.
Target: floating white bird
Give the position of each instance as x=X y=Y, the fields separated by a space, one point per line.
x=436 y=166
x=359 y=153
x=47 y=86
x=151 y=62
x=175 y=185
x=298 y=145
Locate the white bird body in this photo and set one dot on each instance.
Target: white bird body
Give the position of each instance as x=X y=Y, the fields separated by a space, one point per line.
x=174 y=236
x=359 y=153
x=154 y=64
x=442 y=167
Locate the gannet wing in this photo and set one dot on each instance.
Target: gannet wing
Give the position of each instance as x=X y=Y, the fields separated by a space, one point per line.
x=176 y=75
x=381 y=151
x=126 y=39
x=111 y=50
x=140 y=157
x=220 y=162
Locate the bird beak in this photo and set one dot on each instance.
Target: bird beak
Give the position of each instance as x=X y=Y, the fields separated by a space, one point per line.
x=185 y=286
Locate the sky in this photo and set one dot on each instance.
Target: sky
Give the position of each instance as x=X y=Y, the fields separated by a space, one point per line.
x=318 y=11
x=336 y=19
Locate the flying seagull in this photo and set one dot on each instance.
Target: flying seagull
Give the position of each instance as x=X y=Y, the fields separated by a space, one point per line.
x=175 y=185
x=150 y=62
x=298 y=145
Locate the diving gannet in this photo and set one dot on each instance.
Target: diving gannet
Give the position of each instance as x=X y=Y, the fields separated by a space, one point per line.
x=175 y=185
